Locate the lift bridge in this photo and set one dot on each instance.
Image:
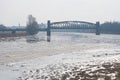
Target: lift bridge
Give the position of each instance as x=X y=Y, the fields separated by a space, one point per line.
x=65 y=25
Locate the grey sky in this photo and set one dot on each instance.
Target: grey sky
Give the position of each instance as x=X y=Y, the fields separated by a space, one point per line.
x=13 y=12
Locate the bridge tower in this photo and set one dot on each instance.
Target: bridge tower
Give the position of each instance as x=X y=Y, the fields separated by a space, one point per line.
x=48 y=31
x=97 y=28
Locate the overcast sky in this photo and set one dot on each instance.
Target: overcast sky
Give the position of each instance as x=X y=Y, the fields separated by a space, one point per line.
x=13 y=12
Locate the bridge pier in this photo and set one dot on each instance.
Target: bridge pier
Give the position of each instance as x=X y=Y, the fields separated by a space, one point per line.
x=97 y=28
x=48 y=31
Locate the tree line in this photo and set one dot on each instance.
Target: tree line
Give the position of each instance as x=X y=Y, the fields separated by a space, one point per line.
x=110 y=27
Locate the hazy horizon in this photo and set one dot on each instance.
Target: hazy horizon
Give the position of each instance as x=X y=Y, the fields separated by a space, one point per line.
x=14 y=12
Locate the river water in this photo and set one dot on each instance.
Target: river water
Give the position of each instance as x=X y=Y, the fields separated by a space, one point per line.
x=21 y=48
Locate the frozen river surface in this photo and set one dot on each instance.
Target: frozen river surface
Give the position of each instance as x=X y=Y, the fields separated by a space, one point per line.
x=20 y=57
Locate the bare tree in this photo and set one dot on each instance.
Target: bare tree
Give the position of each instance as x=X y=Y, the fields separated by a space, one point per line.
x=32 y=25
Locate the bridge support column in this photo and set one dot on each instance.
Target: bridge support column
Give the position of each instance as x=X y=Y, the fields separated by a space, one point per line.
x=97 y=28
x=48 y=31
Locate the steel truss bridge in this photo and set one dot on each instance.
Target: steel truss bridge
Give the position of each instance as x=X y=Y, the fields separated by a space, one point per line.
x=67 y=25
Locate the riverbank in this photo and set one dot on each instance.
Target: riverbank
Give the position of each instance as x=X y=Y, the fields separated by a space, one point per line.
x=5 y=35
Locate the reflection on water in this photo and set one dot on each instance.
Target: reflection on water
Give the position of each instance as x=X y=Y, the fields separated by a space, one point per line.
x=32 y=39
x=65 y=37
x=29 y=39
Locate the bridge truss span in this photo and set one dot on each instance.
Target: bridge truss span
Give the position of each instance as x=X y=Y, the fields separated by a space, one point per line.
x=67 y=25
x=72 y=25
